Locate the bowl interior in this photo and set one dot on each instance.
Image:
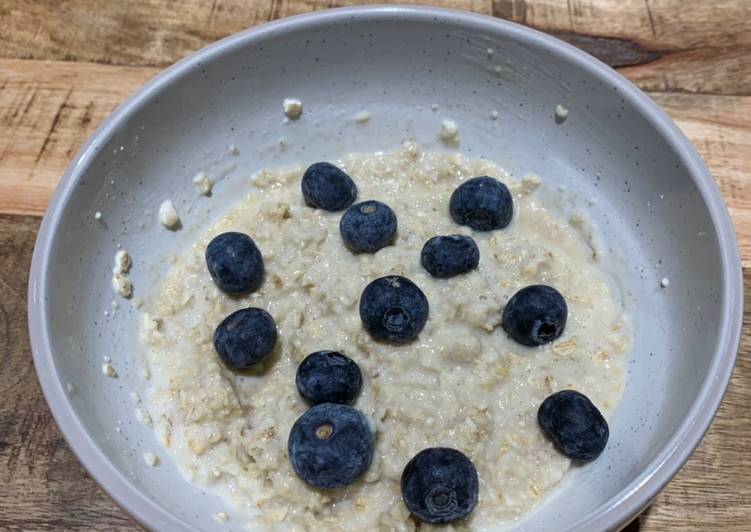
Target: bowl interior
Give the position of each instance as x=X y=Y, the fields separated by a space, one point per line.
x=394 y=63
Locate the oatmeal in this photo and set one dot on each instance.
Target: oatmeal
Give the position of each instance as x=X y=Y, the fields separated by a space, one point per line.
x=362 y=116
x=120 y=281
x=221 y=517
x=168 y=216
x=561 y=113
x=108 y=370
x=449 y=131
x=151 y=459
x=292 y=107
x=463 y=383
x=203 y=183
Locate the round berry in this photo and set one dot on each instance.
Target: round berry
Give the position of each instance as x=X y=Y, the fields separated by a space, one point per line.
x=235 y=263
x=368 y=226
x=327 y=187
x=482 y=203
x=574 y=424
x=448 y=256
x=440 y=485
x=393 y=309
x=330 y=445
x=535 y=315
x=245 y=337
x=328 y=377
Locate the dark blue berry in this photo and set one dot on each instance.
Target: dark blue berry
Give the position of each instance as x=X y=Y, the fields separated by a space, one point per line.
x=440 y=485
x=245 y=337
x=235 y=263
x=327 y=187
x=368 y=226
x=447 y=256
x=393 y=309
x=328 y=377
x=574 y=424
x=482 y=203
x=330 y=445
x=535 y=315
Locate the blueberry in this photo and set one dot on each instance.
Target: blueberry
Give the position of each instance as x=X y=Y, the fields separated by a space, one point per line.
x=393 y=309
x=235 y=263
x=327 y=187
x=368 y=226
x=482 y=203
x=439 y=485
x=574 y=424
x=328 y=377
x=245 y=337
x=447 y=256
x=330 y=445
x=535 y=315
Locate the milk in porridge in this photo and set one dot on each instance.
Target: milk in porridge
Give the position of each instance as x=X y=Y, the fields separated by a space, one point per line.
x=463 y=383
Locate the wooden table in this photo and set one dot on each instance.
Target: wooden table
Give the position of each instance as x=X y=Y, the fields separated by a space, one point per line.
x=65 y=65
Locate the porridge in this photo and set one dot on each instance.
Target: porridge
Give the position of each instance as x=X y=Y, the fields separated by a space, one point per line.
x=462 y=383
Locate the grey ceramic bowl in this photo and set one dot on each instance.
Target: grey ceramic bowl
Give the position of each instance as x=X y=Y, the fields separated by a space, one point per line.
x=657 y=209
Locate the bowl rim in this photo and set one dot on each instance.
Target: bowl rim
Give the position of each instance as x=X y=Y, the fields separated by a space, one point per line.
x=612 y=515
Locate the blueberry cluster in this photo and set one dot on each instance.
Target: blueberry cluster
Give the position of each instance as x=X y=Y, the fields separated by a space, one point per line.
x=331 y=445
x=247 y=336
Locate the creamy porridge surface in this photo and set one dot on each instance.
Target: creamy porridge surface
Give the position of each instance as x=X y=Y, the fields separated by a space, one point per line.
x=462 y=383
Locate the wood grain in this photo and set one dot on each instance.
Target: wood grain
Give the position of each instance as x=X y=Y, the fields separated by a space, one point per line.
x=151 y=32
x=158 y=32
x=703 y=46
x=65 y=65
x=42 y=485
x=720 y=129
x=706 y=70
x=48 y=108
x=658 y=24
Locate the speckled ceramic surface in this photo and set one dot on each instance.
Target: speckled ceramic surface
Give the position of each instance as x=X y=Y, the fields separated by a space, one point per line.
x=656 y=207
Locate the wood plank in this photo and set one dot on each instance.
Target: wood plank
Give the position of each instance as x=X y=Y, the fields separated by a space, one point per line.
x=657 y=24
x=718 y=126
x=702 y=46
x=47 y=110
x=704 y=70
x=158 y=32
x=149 y=32
x=43 y=487
x=712 y=491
